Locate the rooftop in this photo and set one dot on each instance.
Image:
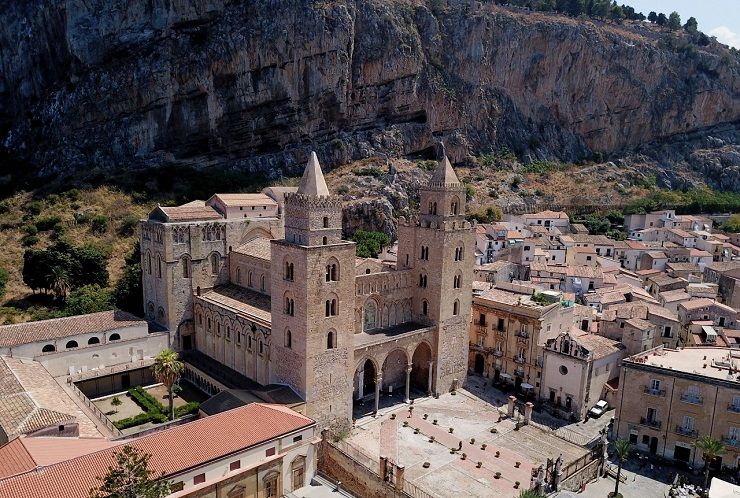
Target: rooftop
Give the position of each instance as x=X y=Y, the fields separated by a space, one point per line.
x=30 y=400
x=599 y=345
x=379 y=335
x=26 y=453
x=244 y=199
x=248 y=303
x=257 y=248
x=172 y=450
x=186 y=212
x=57 y=328
x=707 y=361
x=560 y=215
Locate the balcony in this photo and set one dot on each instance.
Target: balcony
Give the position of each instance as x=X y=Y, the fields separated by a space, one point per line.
x=498 y=354
x=501 y=333
x=481 y=329
x=654 y=392
x=538 y=362
x=731 y=440
x=520 y=359
x=522 y=333
x=521 y=340
x=650 y=423
x=686 y=431
x=732 y=407
x=480 y=323
x=694 y=399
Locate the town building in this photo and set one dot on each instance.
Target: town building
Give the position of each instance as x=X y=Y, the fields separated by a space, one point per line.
x=282 y=300
x=577 y=366
x=678 y=395
x=509 y=331
x=256 y=451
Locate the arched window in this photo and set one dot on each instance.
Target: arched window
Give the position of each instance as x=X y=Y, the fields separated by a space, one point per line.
x=149 y=263
x=324 y=241
x=261 y=347
x=159 y=266
x=434 y=208
x=288 y=339
x=371 y=314
x=424 y=253
x=332 y=273
x=262 y=283
x=150 y=310
x=331 y=307
x=289 y=306
x=214 y=263
x=453 y=207
x=49 y=348
x=249 y=278
x=330 y=341
x=424 y=308
x=423 y=280
x=93 y=340
x=288 y=271
x=114 y=337
x=326 y=222
x=456 y=307
x=185 y=268
x=459 y=253
x=238 y=275
x=457 y=281
x=71 y=345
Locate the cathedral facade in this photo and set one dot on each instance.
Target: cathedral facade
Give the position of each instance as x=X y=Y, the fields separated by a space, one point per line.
x=265 y=285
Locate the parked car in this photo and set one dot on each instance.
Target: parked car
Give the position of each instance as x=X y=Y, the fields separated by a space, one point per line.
x=598 y=409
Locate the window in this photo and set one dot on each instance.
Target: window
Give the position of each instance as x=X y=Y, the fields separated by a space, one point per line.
x=178 y=486
x=423 y=280
x=456 y=307
x=114 y=337
x=271 y=484
x=331 y=273
x=288 y=271
x=326 y=222
x=238 y=337
x=424 y=253
x=199 y=479
x=218 y=329
x=457 y=282
x=185 y=268
x=655 y=385
x=500 y=325
x=249 y=343
x=330 y=342
x=261 y=349
x=288 y=339
x=159 y=266
x=370 y=318
x=214 y=263
x=563 y=370
x=262 y=283
x=331 y=307
x=652 y=415
x=249 y=278
x=235 y=465
x=289 y=307
x=149 y=263
x=688 y=423
x=297 y=472
x=238 y=275
x=93 y=340
x=424 y=308
x=270 y=452
x=324 y=241
x=297 y=438
x=49 y=348
x=228 y=333
x=459 y=251
x=453 y=208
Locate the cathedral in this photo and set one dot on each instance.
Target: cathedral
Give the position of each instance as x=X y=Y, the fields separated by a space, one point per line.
x=264 y=284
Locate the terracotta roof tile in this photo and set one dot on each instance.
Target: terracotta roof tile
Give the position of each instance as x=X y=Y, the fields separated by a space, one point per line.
x=189 y=213
x=257 y=248
x=244 y=199
x=15 y=459
x=56 y=328
x=172 y=451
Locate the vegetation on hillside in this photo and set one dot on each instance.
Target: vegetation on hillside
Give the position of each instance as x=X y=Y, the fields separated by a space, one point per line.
x=369 y=244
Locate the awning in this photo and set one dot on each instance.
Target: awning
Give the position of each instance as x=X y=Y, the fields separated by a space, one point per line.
x=526 y=386
x=505 y=376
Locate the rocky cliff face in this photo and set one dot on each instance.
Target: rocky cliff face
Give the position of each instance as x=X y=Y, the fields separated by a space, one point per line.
x=97 y=85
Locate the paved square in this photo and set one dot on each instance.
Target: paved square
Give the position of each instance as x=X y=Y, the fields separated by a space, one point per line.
x=424 y=436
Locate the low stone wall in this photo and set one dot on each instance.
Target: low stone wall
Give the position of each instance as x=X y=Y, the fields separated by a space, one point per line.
x=583 y=476
x=354 y=476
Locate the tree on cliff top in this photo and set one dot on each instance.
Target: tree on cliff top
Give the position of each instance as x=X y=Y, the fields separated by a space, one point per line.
x=653 y=17
x=674 y=21
x=369 y=244
x=691 y=26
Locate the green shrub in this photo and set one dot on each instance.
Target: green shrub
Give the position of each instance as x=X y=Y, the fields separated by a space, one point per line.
x=369 y=243
x=30 y=229
x=72 y=194
x=128 y=225
x=427 y=165
x=29 y=240
x=99 y=224
x=82 y=218
x=146 y=401
x=33 y=207
x=373 y=171
x=343 y=189
x=48 y=223
x=4 y=276
x=187 y=409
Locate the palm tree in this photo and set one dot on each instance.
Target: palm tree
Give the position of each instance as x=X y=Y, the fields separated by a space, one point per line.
x=711 y=448
x=530 y=493
x=623 y=448
x=59 y=281
x=167 y=369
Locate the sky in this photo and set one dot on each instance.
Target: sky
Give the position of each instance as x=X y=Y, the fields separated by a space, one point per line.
x=720 y=18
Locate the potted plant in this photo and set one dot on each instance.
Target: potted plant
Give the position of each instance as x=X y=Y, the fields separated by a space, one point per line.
x=483 y=446
x=479 y=465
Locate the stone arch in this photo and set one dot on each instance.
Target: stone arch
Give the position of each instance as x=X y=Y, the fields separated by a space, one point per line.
x=331 y=305
x=114 y=337
x=454 y=205
x=370 y=315
x=92 y=341
x=364 y=378
x=49 y=348
x=332 y=270
x=215 y=260
x=150 y=310
x=460 y=251
x=394 y=370
x=331 y=339
x=385 y=316
x=256 y=232
x=185 y=266
x=288 y=304
x=420 y=366
x=288 y=268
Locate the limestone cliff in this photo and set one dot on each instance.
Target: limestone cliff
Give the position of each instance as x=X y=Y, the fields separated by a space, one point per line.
x=97 y=85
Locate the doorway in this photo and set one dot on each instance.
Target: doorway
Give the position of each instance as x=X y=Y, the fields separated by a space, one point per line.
x=682 y=454
x=479 y=364
x=653 y=445
x=125 y=381
x=187 y=342
x=368 y=378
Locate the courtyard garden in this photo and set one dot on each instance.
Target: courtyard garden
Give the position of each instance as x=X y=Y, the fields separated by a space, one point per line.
x=143 y=407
